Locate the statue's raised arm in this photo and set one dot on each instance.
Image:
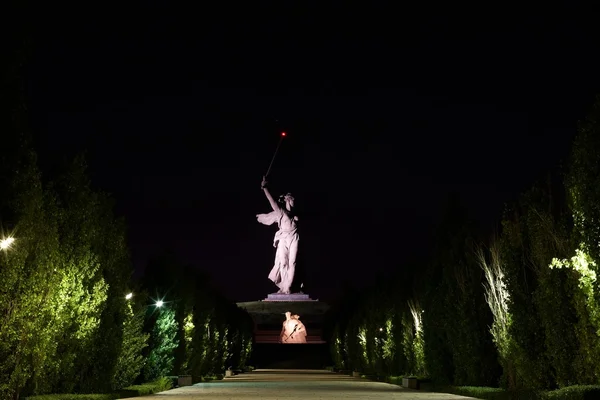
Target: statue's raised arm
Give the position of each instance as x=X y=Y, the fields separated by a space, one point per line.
x=273 y=216
x=272 y=201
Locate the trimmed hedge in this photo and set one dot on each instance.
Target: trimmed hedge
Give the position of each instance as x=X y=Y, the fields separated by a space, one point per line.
x=159 y=385
x=576 y=392
x=489 y=393
x=109 y=396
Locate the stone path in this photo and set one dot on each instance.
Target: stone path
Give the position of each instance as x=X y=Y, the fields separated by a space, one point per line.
x=296 y=385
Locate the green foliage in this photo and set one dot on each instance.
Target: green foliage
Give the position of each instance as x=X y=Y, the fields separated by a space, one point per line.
x=530 y=305
x=106 y=396
x=583 y=183
x=65 y=326
x=408 y=339
x=529 y=364
x=371 y=340
x=28 y=284
x=130 y=361
x=545 y=303
x=163 y=342
x=417 y=347
x=481 y=392
x=458 y=346
x=145 y=389
x=210 y=334
x=496 y=296
x=576 y=392
x=67 y=274
x=395 y=380
x=188 y=336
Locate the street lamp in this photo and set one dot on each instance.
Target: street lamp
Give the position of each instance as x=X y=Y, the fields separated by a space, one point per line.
x=6 y=243
x=128 y=296
x=159 y=303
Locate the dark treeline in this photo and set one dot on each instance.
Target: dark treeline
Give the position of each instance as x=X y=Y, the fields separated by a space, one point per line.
x=67 y=321
x=519 y=310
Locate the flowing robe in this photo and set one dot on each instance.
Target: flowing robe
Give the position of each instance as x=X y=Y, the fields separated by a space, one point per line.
x=286 y=241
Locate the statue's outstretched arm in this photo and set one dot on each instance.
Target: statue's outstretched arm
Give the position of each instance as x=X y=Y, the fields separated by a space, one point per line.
x=273 y=203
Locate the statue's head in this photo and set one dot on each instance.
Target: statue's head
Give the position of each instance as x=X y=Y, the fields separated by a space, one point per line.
x=287 y=199
x=295 y=316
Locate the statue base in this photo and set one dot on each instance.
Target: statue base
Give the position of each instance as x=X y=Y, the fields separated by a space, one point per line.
x=288 y=297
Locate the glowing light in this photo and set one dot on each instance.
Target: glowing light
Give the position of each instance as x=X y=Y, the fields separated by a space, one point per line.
x=159 y=303
x=129 y=296
x=6 y=243
x=282 y=133
x=380 y=329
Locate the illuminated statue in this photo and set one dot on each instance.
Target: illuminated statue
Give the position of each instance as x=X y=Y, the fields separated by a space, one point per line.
x=286 y=238
x=293 y=331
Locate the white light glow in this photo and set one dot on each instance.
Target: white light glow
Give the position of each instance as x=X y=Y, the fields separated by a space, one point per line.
x=6 y=243
x=159 y=303
x=129 y=296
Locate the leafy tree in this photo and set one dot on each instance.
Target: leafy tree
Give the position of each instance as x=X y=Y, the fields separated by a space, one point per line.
x=582 y=182
x=528 y=352
x=162 y=345
x=211 y=333
x=28 y=280
x=26 y=269
x=457 y=344
x=131 y=362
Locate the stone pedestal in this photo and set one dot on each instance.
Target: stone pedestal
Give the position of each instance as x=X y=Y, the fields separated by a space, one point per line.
x=288 y=297
x=268 y=316
x=228 y=373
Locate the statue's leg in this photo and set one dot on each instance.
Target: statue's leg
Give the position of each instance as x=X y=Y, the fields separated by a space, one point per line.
x=286 y=278
x=292 y=253
x=277 y=273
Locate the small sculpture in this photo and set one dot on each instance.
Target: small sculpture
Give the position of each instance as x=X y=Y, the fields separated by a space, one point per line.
x=293 y=331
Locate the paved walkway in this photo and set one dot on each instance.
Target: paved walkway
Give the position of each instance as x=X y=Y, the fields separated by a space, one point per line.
x=296 y=385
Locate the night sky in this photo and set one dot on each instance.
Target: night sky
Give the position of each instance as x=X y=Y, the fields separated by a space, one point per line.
x=388 y=112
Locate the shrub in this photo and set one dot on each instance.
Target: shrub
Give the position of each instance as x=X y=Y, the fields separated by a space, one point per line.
x=395 y=380
x=145 y=389
x=576 y=392
x=490 y=393
x=74 y=397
